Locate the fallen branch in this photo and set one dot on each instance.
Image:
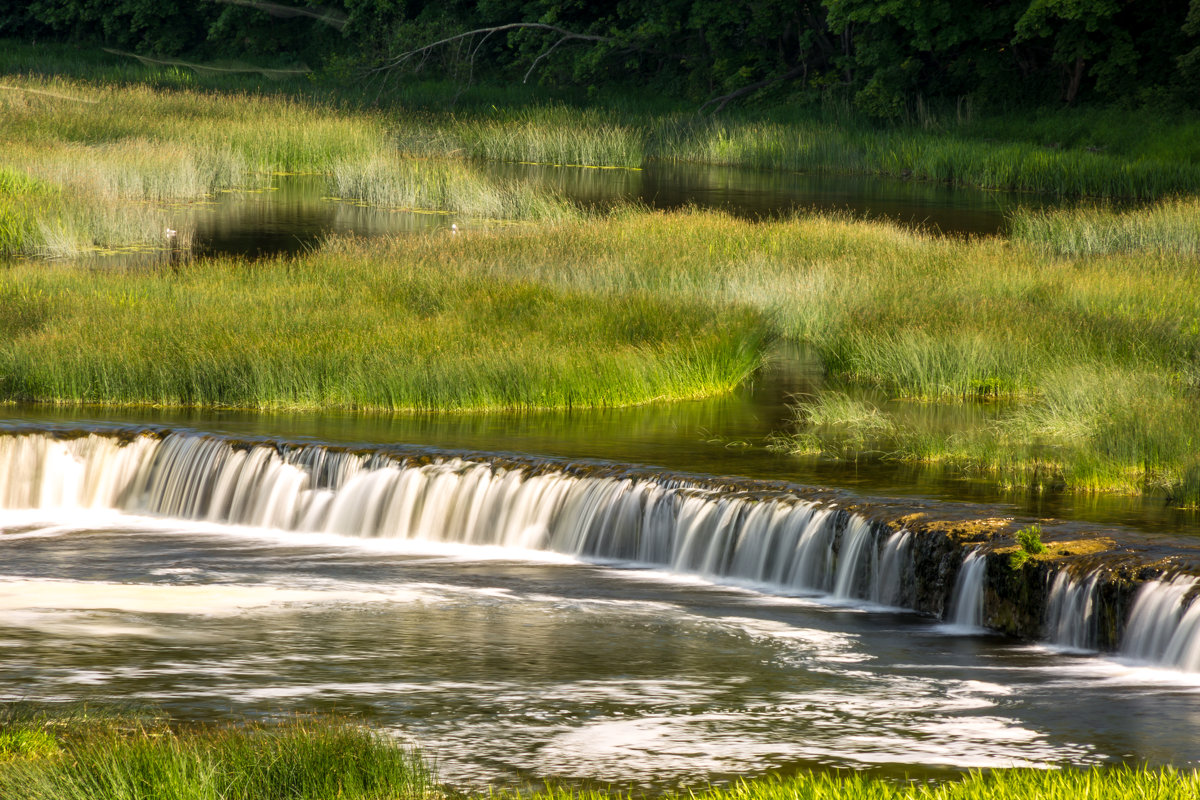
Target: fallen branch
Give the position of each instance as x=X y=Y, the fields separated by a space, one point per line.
x=266 y=72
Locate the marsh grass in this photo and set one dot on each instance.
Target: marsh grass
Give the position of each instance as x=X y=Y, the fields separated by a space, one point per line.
x=814 y=142
x=94 y=757
x=444 y=185
x=97 y=162
x=1088 y=431
x=1108 y=783
x=1168 y=226
x=410 y=325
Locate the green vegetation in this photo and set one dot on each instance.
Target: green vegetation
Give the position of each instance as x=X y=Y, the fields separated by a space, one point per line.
x=97 y=757
x=406 y=324
x=1029 y=543
x=87 y=165
x=1170 y=226
x=91 y=757
x=1088 y=366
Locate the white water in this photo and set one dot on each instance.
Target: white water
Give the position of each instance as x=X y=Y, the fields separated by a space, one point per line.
x=781 y=542
x=1071 y=612
x=1164 y=625
x=966 y=608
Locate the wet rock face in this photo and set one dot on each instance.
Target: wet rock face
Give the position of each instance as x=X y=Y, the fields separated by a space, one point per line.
x=1017 y=592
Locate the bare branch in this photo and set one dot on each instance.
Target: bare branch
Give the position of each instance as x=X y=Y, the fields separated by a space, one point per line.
x=328 y=16
x=266 y=72
x=723 y=100
x=564 y=35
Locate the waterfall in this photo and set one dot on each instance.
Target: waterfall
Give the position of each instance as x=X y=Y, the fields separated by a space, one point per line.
x=1164 y=624
x=967 y=606
x=775 y=540
x=1071 y=611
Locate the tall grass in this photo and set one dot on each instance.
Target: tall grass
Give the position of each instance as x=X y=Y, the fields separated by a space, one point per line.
x=114 y=758
x=444 y=185
x=1169 y=226
x=90 y=757
x=409 y=325
x=1089 y=430
x=814 y=142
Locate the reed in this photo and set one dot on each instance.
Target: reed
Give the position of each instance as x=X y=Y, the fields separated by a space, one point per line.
x=819 y=143
x=431 y=184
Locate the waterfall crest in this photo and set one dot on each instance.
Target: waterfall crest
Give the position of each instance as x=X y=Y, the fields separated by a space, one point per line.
x=782 y=542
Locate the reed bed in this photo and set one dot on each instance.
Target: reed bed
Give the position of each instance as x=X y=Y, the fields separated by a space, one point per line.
x=438 y=184
x=818 y=143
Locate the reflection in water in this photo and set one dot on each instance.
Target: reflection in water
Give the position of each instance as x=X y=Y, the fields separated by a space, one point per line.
x=296 y=210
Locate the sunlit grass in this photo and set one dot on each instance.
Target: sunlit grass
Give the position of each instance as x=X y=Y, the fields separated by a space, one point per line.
x=409 y=325
x=95 y=756
x=1169 y=226
x=98 y=757
x=444 y=185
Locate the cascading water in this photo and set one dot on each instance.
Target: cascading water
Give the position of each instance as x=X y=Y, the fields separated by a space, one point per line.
x=1071 y=611
x=967 y=606
x=778 y=541
x=1164 y=624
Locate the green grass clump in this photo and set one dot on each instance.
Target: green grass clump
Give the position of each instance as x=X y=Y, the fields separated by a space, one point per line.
x=1170 y=226
x=114 y=758
x=444 y=185
x=1029 y=543
x=411 y=323
x=1108 y=783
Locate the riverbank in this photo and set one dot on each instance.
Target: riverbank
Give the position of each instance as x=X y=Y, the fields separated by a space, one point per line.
x=136 y=758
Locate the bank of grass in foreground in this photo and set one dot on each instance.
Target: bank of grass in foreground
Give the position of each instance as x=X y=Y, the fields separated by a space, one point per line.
x=113 y=758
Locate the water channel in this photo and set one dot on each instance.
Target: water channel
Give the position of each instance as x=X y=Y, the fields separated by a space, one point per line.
x=262 y=584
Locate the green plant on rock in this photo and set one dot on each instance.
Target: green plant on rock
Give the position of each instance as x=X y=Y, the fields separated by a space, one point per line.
x=1029 y=543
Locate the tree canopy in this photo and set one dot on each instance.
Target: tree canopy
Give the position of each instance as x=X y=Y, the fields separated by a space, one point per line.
x=884 y=54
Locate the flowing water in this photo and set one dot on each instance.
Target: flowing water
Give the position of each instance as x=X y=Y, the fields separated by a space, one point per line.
x=560 y=595
x=526 y=620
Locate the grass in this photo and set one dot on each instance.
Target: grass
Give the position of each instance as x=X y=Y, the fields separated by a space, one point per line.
x=406 y=324
x=135 y=758
x=819 y=142
x=91 y=165
x=1168 y=226
x=1093 y=362
x=97 y=757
